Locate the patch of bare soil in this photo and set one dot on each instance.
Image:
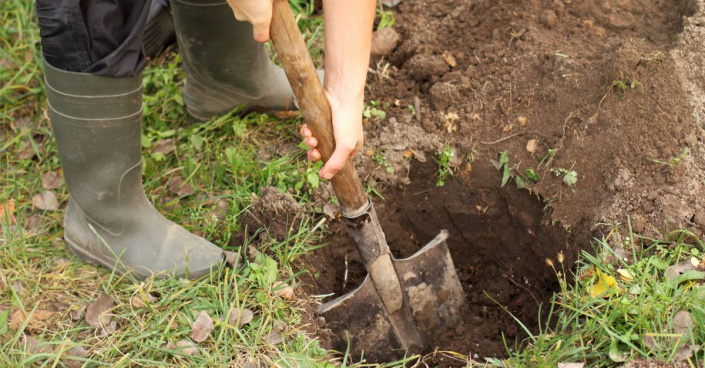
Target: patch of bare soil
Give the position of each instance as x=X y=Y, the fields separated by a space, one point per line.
x=500 y=240
x=610 y=90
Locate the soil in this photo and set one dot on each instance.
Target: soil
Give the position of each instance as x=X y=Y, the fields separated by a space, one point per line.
x=610 y=90
x=500 y=241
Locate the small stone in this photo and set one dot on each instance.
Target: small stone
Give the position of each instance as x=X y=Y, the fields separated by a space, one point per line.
x=548 y=18
x=385 y=41
x=531 y=145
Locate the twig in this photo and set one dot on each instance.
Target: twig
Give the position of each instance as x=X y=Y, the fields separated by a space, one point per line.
x=504 y=139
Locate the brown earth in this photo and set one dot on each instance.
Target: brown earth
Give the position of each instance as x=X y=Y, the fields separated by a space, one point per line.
x=613 y=89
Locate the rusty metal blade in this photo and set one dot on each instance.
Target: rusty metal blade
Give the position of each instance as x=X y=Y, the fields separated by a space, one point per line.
x=432 y=290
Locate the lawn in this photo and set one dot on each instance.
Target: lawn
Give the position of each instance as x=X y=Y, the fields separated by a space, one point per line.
x=628 y=298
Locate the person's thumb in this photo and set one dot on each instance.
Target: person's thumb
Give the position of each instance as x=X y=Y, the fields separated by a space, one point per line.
x=336 y=162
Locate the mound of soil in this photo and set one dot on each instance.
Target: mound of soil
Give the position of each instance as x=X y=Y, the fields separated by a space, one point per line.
x=609 y=93
x=610 y=88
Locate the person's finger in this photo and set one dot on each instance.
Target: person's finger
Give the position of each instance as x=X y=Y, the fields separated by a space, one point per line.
x=261 y=31
x=336 y=161
x=305 y=131
x=311 y=142
x=314 y=155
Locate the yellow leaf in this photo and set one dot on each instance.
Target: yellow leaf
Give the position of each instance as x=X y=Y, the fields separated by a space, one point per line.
x=694 y=261
x=625 y=274
x=604 y=283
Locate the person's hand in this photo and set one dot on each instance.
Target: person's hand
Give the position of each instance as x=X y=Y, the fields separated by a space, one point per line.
x=257 y=12
x=347 y=130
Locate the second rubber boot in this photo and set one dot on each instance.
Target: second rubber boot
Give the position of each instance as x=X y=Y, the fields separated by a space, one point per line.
x=109 y=220
x=159 y=31
x=225 y=66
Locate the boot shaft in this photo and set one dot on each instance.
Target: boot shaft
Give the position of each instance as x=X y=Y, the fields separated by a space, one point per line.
x=97 y=127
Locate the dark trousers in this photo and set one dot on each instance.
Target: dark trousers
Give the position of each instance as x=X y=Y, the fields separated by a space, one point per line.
x=101 y=37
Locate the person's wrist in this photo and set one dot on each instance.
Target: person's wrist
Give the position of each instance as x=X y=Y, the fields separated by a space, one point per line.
x=346 y=101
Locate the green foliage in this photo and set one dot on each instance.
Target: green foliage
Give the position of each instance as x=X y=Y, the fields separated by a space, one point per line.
x=385 y=19
x=634 y=319
x=672 y=161
x=504 y=167
x=381 y=161
x=444 y=157
x=374 y=110
x=570 y=176
x=623 y=84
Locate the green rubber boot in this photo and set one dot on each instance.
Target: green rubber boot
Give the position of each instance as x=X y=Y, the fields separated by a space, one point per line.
x=159 y=31
x=224 y=65
x=109 y=220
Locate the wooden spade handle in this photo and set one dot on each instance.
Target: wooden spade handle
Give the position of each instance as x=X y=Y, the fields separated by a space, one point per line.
x=313 y=103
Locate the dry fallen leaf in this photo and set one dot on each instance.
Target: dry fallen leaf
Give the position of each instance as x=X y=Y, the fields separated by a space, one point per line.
x=531 y=145
x=19 y=287
x=7 y=211
x=51 y=180
x=245 y=316
x=97 y=314
x=187 y=348
x=674 y=271
x=177 y=186
x=18 y=317
x=35 y=346
x=163 y=146
x=45 y=201
x=140 y=300
x=683 y=323
x=77 y=351
x=77 y=312
x=202 y=327
x=233 y=259
x=332 y=210
x=683 y=353
x=651 y=343
x=274 y=337
x=571 y=365
x=283 y=290
x=521 y=121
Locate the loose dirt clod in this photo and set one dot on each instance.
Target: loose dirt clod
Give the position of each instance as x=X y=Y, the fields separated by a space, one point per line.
x=384 y=41
x=276 y=211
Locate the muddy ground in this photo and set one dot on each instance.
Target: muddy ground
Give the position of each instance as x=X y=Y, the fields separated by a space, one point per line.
x=603 y=99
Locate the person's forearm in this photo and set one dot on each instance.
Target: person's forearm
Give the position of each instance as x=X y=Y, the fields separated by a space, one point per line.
x=347 y=48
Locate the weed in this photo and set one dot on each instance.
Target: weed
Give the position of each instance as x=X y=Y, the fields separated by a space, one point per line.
x=674 y=160
x=412 y=110
x=385 y=19
x=374 y=110
x=623 y=84
x=381 y=160
x=570 y=176
x=444 y=157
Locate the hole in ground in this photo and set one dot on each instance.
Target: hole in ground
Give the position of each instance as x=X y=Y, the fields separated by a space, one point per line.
x=499 y=239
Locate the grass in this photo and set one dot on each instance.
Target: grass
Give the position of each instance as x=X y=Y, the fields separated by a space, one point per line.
x=228 y=159
x=631 y=314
